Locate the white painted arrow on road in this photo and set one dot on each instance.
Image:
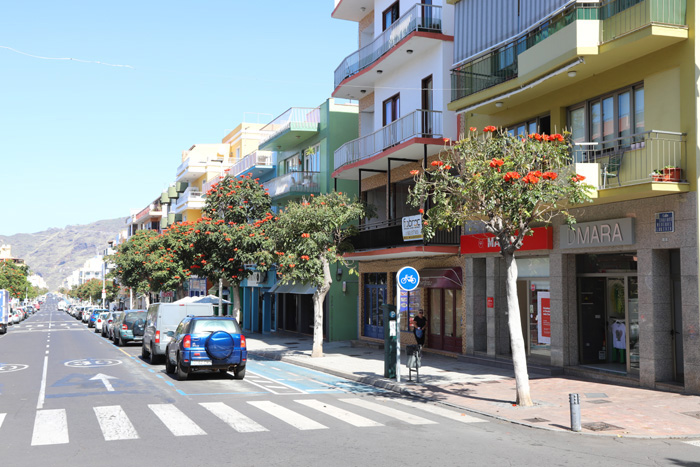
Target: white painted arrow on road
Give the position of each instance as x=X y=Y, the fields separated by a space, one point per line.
x=105 y=380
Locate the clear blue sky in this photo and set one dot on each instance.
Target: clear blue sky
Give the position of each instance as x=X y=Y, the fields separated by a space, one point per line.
x=80 y=142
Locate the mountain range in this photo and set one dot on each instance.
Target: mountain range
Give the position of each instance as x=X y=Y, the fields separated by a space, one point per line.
x=55 y=253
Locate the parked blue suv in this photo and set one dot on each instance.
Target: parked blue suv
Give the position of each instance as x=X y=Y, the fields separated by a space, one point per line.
x=206 y=343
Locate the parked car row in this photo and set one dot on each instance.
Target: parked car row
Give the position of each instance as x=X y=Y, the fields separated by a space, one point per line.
x=186 y=337
x=20 y=313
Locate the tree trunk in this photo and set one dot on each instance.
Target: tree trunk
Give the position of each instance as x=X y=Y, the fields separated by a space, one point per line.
x=319 y=296
x=517 y=343
x=236 y=302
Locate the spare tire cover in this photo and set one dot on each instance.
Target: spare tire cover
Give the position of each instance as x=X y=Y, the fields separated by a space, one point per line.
x=219 y=345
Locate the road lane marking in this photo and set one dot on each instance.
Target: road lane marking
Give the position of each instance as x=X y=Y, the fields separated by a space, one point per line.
x=340 y=414
x=50 y=427
x=443 y=412
x=42 y=390
x=390 y=412
x=233 y=418
x=2 y=418
x=114 y=423
x=177 y=422
x=288 y=416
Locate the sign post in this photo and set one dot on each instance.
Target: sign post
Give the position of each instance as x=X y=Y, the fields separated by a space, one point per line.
x=406 y=279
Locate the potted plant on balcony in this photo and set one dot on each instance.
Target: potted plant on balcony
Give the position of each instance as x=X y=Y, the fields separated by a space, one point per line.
x=672 y=173
x=657 y=175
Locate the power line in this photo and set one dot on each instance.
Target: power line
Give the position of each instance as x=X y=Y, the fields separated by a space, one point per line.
x=65 y=58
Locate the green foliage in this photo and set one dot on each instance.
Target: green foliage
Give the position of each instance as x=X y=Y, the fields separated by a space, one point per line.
x=13 y=277
x=132 y=258
x=312 y=231
x=506 y=182
x=92 y=290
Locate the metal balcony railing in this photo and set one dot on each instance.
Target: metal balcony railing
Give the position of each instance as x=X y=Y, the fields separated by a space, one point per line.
x=208 y=184
x=419 y=18
x=422 y=123
x=388 y=233
x=190 y=195
x=635 y=159
x=617 y=17
x=301 y=118
x=251 y=160
x=294 y=182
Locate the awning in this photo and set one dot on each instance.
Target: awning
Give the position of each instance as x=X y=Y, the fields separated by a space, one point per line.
x=437 y=278
x=301 y=289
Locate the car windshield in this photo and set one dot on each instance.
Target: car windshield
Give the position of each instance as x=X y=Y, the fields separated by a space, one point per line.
x=212 y=325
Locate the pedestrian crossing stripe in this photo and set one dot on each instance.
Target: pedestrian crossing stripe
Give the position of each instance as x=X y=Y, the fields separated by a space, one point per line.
x=51 y=426
x=390 y=412
x=693 y=443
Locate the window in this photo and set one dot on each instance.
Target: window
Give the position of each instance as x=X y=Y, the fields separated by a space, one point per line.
x=535 y=125
x=390 y=15
x=612 y=120
x=391 y=110
x=292 y=164
x=312 y=159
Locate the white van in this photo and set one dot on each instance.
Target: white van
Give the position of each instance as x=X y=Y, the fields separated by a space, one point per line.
x=161 y=322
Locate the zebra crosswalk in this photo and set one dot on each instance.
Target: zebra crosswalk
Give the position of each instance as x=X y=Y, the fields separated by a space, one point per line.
x=52 y=427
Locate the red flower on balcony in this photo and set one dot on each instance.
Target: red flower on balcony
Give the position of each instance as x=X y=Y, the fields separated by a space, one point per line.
x=578 y=178
x=550 y=175
x=495 y=163
x=415 y=172
x=489 y=129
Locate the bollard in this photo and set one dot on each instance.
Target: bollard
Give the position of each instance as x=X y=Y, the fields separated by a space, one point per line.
x=575 y=406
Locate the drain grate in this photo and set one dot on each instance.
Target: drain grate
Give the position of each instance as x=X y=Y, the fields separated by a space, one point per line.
x=600 y=426
x=536 y=420
x=599 y=401
x=595 y=395
x=692 y=414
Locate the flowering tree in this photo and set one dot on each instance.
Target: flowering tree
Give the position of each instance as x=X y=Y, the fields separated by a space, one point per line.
x=310 y=235
x=508 y=183
x=232 y=235
x=13 y=277
x=132 y=259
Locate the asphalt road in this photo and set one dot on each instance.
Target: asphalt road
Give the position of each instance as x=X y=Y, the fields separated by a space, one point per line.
x=68 y=397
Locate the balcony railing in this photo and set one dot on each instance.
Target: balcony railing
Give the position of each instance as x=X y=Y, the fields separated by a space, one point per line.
x=635 y=159
x=389 y=233
x=208 y=184
x=200 y=163
x=301 y=118
x=422 y=123
x=190 y=195
x=251 y=160
x=618 y=17
x=419 y=18
x=294 y=182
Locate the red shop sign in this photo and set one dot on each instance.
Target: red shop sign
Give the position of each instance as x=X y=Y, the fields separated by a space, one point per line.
x=489 y=302
x=542 y=239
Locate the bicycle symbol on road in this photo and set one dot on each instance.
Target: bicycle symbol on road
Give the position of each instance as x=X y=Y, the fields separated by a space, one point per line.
x=92 y=362
x=10 y=367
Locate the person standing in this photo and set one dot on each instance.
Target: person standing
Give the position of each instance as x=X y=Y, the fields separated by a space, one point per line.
x=420 y=323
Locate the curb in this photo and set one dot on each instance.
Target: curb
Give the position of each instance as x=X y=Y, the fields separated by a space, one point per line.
x=289 y=357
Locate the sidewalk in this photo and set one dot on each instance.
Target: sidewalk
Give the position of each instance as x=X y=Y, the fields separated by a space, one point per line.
x=606 y=409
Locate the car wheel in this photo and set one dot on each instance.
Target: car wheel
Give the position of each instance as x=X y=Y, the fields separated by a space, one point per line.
x=154 y=358
x=169 y=367
x=239 y=374
x=121 y=342
x=180 y=372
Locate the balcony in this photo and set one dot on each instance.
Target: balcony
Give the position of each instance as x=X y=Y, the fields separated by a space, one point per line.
x=194 y=167
x=352 y=10
x=388 y=234
x=421 y=23
x=638 y=159
x=582 y=29
x=191 y=198
x=294 y=183
x=148 y=212
x=259 y=161
x=422 y=126
x=293 y=127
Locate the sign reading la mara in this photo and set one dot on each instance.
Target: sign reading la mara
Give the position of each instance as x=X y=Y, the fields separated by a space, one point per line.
x=541 y=239
x=600 y=233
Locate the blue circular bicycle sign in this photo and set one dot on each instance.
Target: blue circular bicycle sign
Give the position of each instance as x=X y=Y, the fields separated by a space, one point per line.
x=408 y=278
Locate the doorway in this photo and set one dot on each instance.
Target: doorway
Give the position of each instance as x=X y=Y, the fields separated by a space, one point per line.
x=609 y=323
x=677 y=321
x=427 y=106
x=445 y=319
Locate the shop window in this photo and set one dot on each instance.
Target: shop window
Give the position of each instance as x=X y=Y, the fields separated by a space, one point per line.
x=535 y=125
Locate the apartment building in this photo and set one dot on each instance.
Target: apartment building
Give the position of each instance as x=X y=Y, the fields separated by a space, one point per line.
x=302 y=141
x=400 y=73
x=617 y=297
